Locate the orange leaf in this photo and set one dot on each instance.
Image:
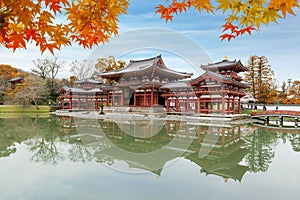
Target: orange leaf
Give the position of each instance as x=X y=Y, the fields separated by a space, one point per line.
x=160 y=9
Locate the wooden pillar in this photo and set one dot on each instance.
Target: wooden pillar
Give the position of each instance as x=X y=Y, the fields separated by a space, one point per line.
x=296 y=122
x=228 y=104
x=187 y=104
x=177 y=104
x=223 y=137
x=71 y=102
x=239 y=105
x=145 y=98
x=167 y=106
x=232 y=104
x=152 y=100
x=122 y=99
x=198 y=104
x=211 y=106
x=113 y=99
x=199 y=133
x=267 y=120
x=96 y=104
x=223 y=105
x=280 y=121
x=108 y=96
x=134 y=98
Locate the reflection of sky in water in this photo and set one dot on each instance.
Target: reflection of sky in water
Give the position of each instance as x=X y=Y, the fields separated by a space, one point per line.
x=24 y=179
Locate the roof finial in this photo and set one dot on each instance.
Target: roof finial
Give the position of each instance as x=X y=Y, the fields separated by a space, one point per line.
x=225 y=58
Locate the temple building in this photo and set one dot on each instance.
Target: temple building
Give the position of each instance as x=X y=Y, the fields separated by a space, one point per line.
x=218 y=90
x=86 y=94
x=149 y=83
x=138 y=84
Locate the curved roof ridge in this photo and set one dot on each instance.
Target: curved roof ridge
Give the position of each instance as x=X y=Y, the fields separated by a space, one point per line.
x=145 y=59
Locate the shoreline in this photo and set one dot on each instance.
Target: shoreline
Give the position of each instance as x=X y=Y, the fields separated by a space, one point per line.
x=117 y=116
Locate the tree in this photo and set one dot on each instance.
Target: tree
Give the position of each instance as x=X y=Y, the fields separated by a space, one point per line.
x=251 y=74
x=82 y=69
x=260 y=77
x=295 y=92
x=42 y=68
x=109 y=64
x=48 y=69
x=88 y=22
x=273 y=97
x=283 y=93
x=33 y=91
x=91 y=22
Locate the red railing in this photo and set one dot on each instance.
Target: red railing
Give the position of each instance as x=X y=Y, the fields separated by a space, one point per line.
x=276 y=112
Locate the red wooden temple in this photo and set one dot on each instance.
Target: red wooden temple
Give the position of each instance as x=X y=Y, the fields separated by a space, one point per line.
x=86 y=94
x=149 y=83
x=138 y=84
x=218 y=90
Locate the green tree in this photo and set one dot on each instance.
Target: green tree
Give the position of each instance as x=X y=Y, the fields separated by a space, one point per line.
x=260 y=149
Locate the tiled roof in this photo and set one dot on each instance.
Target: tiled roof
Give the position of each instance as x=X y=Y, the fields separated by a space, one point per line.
x=225 y=64
x=223 y=78
x=88 y=81
x=80 y=90
x=136 y=66
x=16 y=79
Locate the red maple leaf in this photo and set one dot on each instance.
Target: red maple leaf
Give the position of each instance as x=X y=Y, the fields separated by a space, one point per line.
x=228 y=26
x=227 y=36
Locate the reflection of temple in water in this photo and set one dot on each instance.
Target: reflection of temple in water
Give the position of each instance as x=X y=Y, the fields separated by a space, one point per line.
x=150 y=145
x=217 y=150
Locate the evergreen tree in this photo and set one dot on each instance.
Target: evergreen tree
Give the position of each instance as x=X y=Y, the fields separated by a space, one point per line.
x=260 y=78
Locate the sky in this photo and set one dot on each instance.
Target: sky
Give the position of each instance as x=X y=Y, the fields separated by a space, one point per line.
x=190 y=40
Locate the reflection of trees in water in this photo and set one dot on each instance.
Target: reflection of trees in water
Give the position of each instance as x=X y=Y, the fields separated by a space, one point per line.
x=12 y=131
x=79 y=153
x=45 y=151
x=261 y=152
x=44 y=147
x=295 y=141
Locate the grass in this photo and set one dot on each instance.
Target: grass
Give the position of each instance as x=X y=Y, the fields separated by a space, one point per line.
x=17 y=115
x=246 y=111
x=23 y=109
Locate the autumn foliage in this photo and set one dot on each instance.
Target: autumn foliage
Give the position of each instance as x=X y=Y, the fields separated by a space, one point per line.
x=245 y=15
x=51 y=24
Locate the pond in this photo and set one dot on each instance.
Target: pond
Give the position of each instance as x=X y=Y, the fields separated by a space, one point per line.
x=54 y=157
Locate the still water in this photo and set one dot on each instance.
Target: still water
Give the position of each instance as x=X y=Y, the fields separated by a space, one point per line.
x=68 y=158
